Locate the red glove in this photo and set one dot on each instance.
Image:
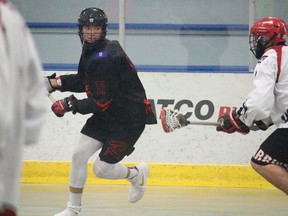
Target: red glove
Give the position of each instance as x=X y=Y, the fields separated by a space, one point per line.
x=229 y=123
x=60 y=107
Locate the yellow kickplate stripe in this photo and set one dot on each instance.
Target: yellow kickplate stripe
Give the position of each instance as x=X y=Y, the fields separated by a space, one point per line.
x=160 y=174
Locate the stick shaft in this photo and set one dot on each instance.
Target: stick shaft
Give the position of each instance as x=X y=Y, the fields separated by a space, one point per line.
x=204 y=123
x=252 y=128
x=51 y=97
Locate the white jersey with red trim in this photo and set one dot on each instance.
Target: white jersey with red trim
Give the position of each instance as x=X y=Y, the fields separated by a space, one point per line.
x=21 y=79
x=269 y=99
x=22 y=99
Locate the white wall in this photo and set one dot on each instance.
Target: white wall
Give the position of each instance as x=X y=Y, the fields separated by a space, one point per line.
x=193 y=144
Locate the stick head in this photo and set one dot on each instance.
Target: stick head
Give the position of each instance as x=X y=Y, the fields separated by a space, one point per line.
x=172 y=120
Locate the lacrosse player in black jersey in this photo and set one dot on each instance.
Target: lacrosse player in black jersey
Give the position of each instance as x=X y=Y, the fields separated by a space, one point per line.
x=117 y=101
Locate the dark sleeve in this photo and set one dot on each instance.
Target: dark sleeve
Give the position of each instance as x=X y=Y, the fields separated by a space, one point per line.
x=101 y=92
x=72 y=82
x=111 y=89
x=88 y=105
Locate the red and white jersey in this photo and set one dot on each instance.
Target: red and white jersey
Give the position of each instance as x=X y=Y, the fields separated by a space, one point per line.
x=22 y=91
x=269 y=99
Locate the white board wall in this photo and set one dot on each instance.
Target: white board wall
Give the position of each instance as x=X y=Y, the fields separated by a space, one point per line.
x=190 y=145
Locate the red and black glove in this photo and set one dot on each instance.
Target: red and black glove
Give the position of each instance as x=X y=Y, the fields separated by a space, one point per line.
x=230 y=123
x=60 y=107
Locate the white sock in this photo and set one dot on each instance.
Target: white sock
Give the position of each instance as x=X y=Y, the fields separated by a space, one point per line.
x=75 y=198
x=133 y=172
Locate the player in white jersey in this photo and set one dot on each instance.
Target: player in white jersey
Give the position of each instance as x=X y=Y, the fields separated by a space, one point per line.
x=22 y=101
x=267 y=104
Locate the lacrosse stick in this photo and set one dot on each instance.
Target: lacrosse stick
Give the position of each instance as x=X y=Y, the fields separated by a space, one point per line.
x=172 y=120
x=50 y=96
x=53 y=100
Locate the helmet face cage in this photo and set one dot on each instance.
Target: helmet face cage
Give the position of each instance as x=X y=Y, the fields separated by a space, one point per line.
x=92 y=16
x=266 y=32
x=258 y=44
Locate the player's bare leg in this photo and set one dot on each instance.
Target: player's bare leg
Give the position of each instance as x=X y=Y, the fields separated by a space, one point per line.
x=276 y=175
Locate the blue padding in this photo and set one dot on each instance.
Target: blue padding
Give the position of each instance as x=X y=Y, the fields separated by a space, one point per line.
x=60 y=67
x=185 y=27
x=51 y=25
x=146 y=26
x=162 y=68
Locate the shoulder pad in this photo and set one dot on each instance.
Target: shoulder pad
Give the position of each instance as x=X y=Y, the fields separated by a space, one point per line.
x=115 y=48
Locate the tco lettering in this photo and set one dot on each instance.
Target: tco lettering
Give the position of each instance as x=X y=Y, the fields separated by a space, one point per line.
x=203 y=110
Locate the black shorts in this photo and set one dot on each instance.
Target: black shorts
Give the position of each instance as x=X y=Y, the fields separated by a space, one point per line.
x=274 y=150
x=117 y=144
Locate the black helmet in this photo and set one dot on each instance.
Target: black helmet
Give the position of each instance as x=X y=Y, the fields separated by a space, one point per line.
x=92 y=16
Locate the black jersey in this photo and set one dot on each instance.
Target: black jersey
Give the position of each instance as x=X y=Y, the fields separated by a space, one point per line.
x=115 y=94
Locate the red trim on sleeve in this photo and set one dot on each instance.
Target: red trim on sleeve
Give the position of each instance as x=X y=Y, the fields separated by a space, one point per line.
x=278 y=50
x=104 y=106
